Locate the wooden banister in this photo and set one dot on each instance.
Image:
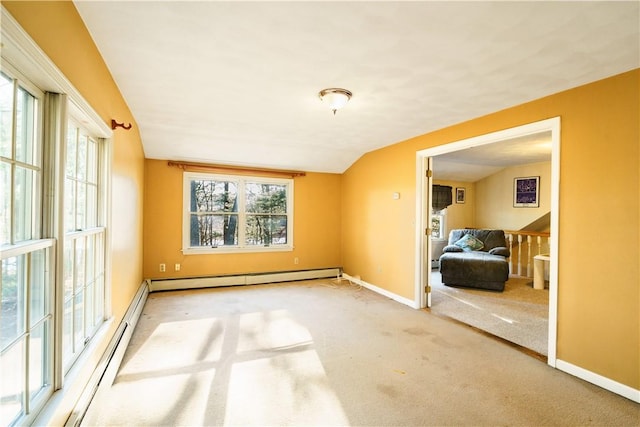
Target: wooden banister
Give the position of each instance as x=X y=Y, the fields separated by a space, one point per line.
x=535 y=243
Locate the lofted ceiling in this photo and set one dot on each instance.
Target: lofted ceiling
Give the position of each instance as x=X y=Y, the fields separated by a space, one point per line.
x=237 y=82
x=473 y=164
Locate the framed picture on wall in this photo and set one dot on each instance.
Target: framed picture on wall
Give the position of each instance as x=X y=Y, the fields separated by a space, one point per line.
x=460 y=194
x=526 y=192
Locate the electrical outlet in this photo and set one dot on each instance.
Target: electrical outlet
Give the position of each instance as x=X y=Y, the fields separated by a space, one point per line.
x=163 y=267
x=296 y=260
x=177 y=267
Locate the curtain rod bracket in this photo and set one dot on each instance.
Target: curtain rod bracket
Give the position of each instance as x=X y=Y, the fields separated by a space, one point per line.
x=115 y=124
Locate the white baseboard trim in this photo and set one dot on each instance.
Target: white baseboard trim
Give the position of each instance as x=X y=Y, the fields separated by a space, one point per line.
x=604 y=382
x=241 y=279
x=386 y=293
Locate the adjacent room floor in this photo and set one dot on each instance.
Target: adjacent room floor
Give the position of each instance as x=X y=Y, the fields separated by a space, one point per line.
x=519 y=314
x=326 y=353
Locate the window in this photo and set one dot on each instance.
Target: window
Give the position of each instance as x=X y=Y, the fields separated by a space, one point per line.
x=438 y=224
x=235 y=213
x=83 y=258
x=26 y=335
x=52 y=228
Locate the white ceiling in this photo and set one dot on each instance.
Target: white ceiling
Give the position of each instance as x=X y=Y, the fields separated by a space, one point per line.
x=237 y=82
x=473 y=164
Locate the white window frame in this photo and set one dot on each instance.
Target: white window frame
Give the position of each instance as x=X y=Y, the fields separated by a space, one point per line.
x=36 y=385
x=241 y=247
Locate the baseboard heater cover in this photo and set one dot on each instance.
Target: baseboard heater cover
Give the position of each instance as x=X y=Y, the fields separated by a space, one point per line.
x=109 y=364
x=241 y=279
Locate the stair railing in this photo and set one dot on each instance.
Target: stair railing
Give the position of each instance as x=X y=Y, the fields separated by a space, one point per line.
x=524 y=245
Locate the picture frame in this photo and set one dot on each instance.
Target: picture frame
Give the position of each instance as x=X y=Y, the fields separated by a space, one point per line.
x=526 y=192
x=461 y=194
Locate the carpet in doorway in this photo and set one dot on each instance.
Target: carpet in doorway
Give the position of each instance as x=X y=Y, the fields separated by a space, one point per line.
x=520 y=314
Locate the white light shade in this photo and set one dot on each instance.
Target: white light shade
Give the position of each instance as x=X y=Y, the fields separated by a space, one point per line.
x=335 y=97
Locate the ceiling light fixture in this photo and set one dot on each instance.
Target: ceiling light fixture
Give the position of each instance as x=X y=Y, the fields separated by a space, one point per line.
x=336 y=97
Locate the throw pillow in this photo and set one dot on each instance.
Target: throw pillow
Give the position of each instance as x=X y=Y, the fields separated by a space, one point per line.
x=469 y=243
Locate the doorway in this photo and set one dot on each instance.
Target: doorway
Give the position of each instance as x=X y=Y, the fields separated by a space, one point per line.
x=423 y=211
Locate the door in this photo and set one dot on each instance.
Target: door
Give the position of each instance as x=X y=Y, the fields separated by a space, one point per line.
x=426 y=259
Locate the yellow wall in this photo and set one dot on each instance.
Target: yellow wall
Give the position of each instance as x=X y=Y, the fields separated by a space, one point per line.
x=598 y=290
x=378 y=232
x=316 y=230
x=494 y=202
x=59 y=31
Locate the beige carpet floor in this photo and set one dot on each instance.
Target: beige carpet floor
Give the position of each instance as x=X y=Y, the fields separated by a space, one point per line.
x=327 y=354
x=520 y=314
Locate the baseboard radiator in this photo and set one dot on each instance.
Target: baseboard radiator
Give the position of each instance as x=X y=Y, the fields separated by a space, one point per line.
x=241 y=279
x=109 y=363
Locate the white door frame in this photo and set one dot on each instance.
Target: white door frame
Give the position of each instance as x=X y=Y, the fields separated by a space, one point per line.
x=423 y=216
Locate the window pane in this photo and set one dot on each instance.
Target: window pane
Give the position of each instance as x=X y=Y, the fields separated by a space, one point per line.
x=38 y=294
x=266 y=198
x=72 y=138
x=81 y=165
x=67 y=332
x=89 y=294
x=98 y=314
x=81 y=205
x=214 y=196
x=90 y=262
x=266 y=230
x=79 y=264
x=99 y=279
x=12 y=384
x=13 y=299
x=92 y=161
x=78 y=320
x=5 y=203
x=214 y=230
x=6 y=115
x=436 y=226
x=23 y=204
x=38 y=360
x=92 y=206
x=69 y=205
x=26 y=111
x=99 y=248
x=68 y=268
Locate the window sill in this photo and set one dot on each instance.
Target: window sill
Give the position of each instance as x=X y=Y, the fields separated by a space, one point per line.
x=244 y=250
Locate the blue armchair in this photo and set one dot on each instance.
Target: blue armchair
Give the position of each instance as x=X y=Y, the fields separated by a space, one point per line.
x=475 y=258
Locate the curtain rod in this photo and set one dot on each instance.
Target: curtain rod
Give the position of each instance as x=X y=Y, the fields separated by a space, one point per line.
x=204 y=167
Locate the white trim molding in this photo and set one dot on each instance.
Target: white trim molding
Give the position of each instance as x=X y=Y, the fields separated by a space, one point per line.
x=376 y=289
x=240 y=279
x=604 y=382
x=548 y=125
